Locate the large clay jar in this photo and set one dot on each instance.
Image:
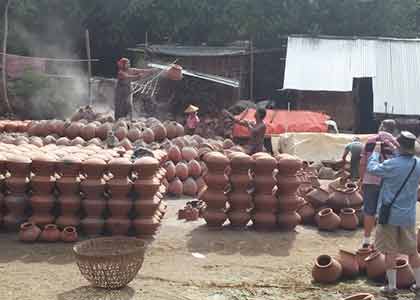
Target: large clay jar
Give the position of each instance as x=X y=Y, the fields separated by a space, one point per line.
x=405 y=274
x=306 y=212
x=50 y=233
x=344 y=197
x=119 y=205
x=375 y=266
x=326 y=270
x=29 y=232
x=349 y=219
x=69 y=234
x=328 y=220
x=348 y=261
x=362 y=254
x=317 y=197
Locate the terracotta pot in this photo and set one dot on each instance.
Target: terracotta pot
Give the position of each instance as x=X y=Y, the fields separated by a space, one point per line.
x=361 y=254
x=326 y=270
x=18 y=166
x=69 y=234
x=159 y=132
x=121 y=133
x=69 y=207
x=216 y=161
x=148 y=135
x=120 y=167
x=181 y=171
x=241 y=162
x=265 y=203
x=349 y=219
x=146 y=167
x=29 y=232
x=288 y=164
x=69 y=166
x=214 y=217
x=264 y=164
x=349 y=262
x=264 y=220
x=180 y=131
x=176 y=187
x=348 y=197
x=240 y=201
x=214 y=198
x=289 y=220
x=43 y=165
x=317 y=197
x=41 y=209
x=134 y=134
x=289 y=203
x=63 y=141
x=306 y=212
x=361 y=296
x=216 y=181
x=194 y=168
x=264 y=184
x=92 y=226
x=170 y=130
x=146 y=226
x=147 y=208
x=239 y=218
x=189 y=153
x=328 y=220
x=287 y=184
x=50 y=233
x=15 y=205
x=147 y=188
x=375 y=266
x=240 y=182
x=88 y=132
x=118 y=225
x=73 y=130
x=102 y=131
x=190 y=187
x=405 y=274
x=94 y=168
x=170 y=170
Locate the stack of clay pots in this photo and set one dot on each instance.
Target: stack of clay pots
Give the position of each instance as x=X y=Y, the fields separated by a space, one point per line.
x=120 y=201
x=16 y=200
x=93 y=200
x=265 y=202
x=215 y=194
x=43 y=187
x=240 y=199
x=287 y=186
x=149 y=191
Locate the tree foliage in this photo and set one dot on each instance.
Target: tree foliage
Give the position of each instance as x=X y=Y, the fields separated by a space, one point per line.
x=56 y=27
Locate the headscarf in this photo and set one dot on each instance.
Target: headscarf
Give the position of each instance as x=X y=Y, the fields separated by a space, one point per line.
x=122 y=62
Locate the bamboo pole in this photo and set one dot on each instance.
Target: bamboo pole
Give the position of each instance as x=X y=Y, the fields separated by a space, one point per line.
x=4 y=61
x=89 y=66
x=251 y=75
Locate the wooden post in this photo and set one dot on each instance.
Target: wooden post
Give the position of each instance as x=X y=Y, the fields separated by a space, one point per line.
x=251 y=71
x=4 y=61
x=89 y=66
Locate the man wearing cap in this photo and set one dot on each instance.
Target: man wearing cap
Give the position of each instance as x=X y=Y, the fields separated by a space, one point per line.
x=370 y=182
x=192 y=119
x=396 y=231
x=355 y=148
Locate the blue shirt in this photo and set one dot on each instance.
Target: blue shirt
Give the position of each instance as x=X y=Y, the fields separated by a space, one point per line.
x=393 y=173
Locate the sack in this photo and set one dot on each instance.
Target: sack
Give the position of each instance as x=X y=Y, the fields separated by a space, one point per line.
x=384 y=214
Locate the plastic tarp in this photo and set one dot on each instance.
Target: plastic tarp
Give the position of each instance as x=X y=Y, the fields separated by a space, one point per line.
x=314 y=146
x=281 y=121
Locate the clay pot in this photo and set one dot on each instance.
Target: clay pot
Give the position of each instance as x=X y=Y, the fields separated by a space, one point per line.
x=405 y=274
x=240 y=201
x=146 y=226
x=159 y=132
x=69 y=166
x=362 y=254
x=121 y=133
x=134 y=134
x=73 y=130
x=265 y=203
x=240 y=182
x=118 y=225
x=41 y=209
x=306 y=212
x=176 y=187
x=18 y=166
x=289 y=202
x=148 y=135
x=288 y=221
x=50 y=233
x=170 y=170
x=69 y=234
x=348 y=197
x=189 y=153
x=214 y=217
x=29 y=232
x=214 y=198
x=147 y=208
x=63 y=141
x=102 y=131
x=361 y=296
x=317 y=197
x=327 y=270
x=170 y=130
x=120 y=167
x=349 y=219
x=88 y=132
x=69 y=206
x=174 y=154
x=15 y=204
x=94 y=168
x=181 y=171
x=241 y=162
x=190 y=187
x=146 y=167
x=264 y=184
x=328 y=220
x=239 y=218
x=180 y=131
x=288 y=164
x=43 y=165
x=194 y=168
x=216 y=161
x=92 y=226
x=375 y=266
x=349 y=262
x=264 y=220
x=287 y=184
x=216 y=181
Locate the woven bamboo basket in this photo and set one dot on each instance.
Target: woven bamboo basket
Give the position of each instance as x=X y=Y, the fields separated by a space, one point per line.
x=112 y=262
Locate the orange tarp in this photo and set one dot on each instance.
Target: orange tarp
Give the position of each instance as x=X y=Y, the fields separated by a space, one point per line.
x=278 y=120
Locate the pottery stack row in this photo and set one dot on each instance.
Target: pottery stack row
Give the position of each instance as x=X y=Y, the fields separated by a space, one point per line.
x=349 y=265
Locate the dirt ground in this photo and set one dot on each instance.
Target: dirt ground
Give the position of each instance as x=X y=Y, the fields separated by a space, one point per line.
x=237 y=265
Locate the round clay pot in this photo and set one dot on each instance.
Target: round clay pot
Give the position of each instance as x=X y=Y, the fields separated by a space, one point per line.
x=29 y=232
x=264 y=184
x=216 y=161
x=73 y=130
x=69 y=166
x=189 y=153
x=342 y=198
x=148 y=135
x=240 y=201
x=18 y=166
x=317 y=197
x=43 y=165
x=69 y=234
x=88 y=132
x=214 y=198
x=306 y=212
x=228 y=143
x=190 y=187
x=360 y=296
x=94 y=168
x=102 y=131
x=264 y=164
x=146 y=226
x=180 y=131
x=265 y=203
x=405 y=274
x=176 y=187
x=118 y=225
x=264 y=220
x=239 y=218
x=170 y=170
x=289 y=202
x=41 y=209
x=288 y=164
x=159 y=132
x=174 y=154
x=328 y=220
x=349 y=262
x=289 y=220
x=241 y=162
x=362 y=254
x=214 y=217
x=181 y=171
x=194 y=168
x=240 y=182
x=146 y=167
x=326 y=270
x=147 y=208
x=50 y=233
x=120 y=167
x=121 y=133
x=216 y=180
x=170 y=130
x=134 y=134
x=287 y=184
x=375 y=266
x=349 y=219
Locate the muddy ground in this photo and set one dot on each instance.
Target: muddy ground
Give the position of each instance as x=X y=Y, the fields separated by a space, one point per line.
x=237 y=265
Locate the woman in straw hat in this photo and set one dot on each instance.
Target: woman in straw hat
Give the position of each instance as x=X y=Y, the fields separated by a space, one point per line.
x=192 y=119
x=123 y=101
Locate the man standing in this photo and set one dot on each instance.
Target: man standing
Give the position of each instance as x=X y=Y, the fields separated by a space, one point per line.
x=355 y=148
x=370 y=182
x=396 y=231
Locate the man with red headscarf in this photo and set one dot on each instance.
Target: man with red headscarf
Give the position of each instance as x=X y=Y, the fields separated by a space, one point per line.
x=123 y=95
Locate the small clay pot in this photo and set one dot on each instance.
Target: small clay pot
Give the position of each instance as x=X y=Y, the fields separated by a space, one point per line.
x=69 y=234
x=287 y=184
x=239 y=218
x=240 y=200
x=264 y=220
x=326 y=270
x=362 y=254
x=328 y=220
x=306 y=212
x=317 y=197
x=375 y=266
x=349 y=219
x=405 y=274
x=348 y=261
x=50 y=233
x=216 y=181
x=214 y=217
x=288 y=220
x=29 y=232
x=264 y=184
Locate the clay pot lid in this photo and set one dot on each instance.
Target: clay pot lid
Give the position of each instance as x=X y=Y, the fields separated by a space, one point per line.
x=94 y=161
x=216 y=157
x=147 y=160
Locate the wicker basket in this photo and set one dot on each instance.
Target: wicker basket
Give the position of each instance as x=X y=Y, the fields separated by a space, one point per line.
x=112 y=262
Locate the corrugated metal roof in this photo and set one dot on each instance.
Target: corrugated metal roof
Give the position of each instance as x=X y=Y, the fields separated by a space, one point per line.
x=330 y=64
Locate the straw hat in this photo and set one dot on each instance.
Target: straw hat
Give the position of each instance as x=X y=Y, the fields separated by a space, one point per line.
x=191 y=109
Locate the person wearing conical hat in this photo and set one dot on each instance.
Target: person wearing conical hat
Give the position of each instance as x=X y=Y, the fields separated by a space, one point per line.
x=192 y=119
